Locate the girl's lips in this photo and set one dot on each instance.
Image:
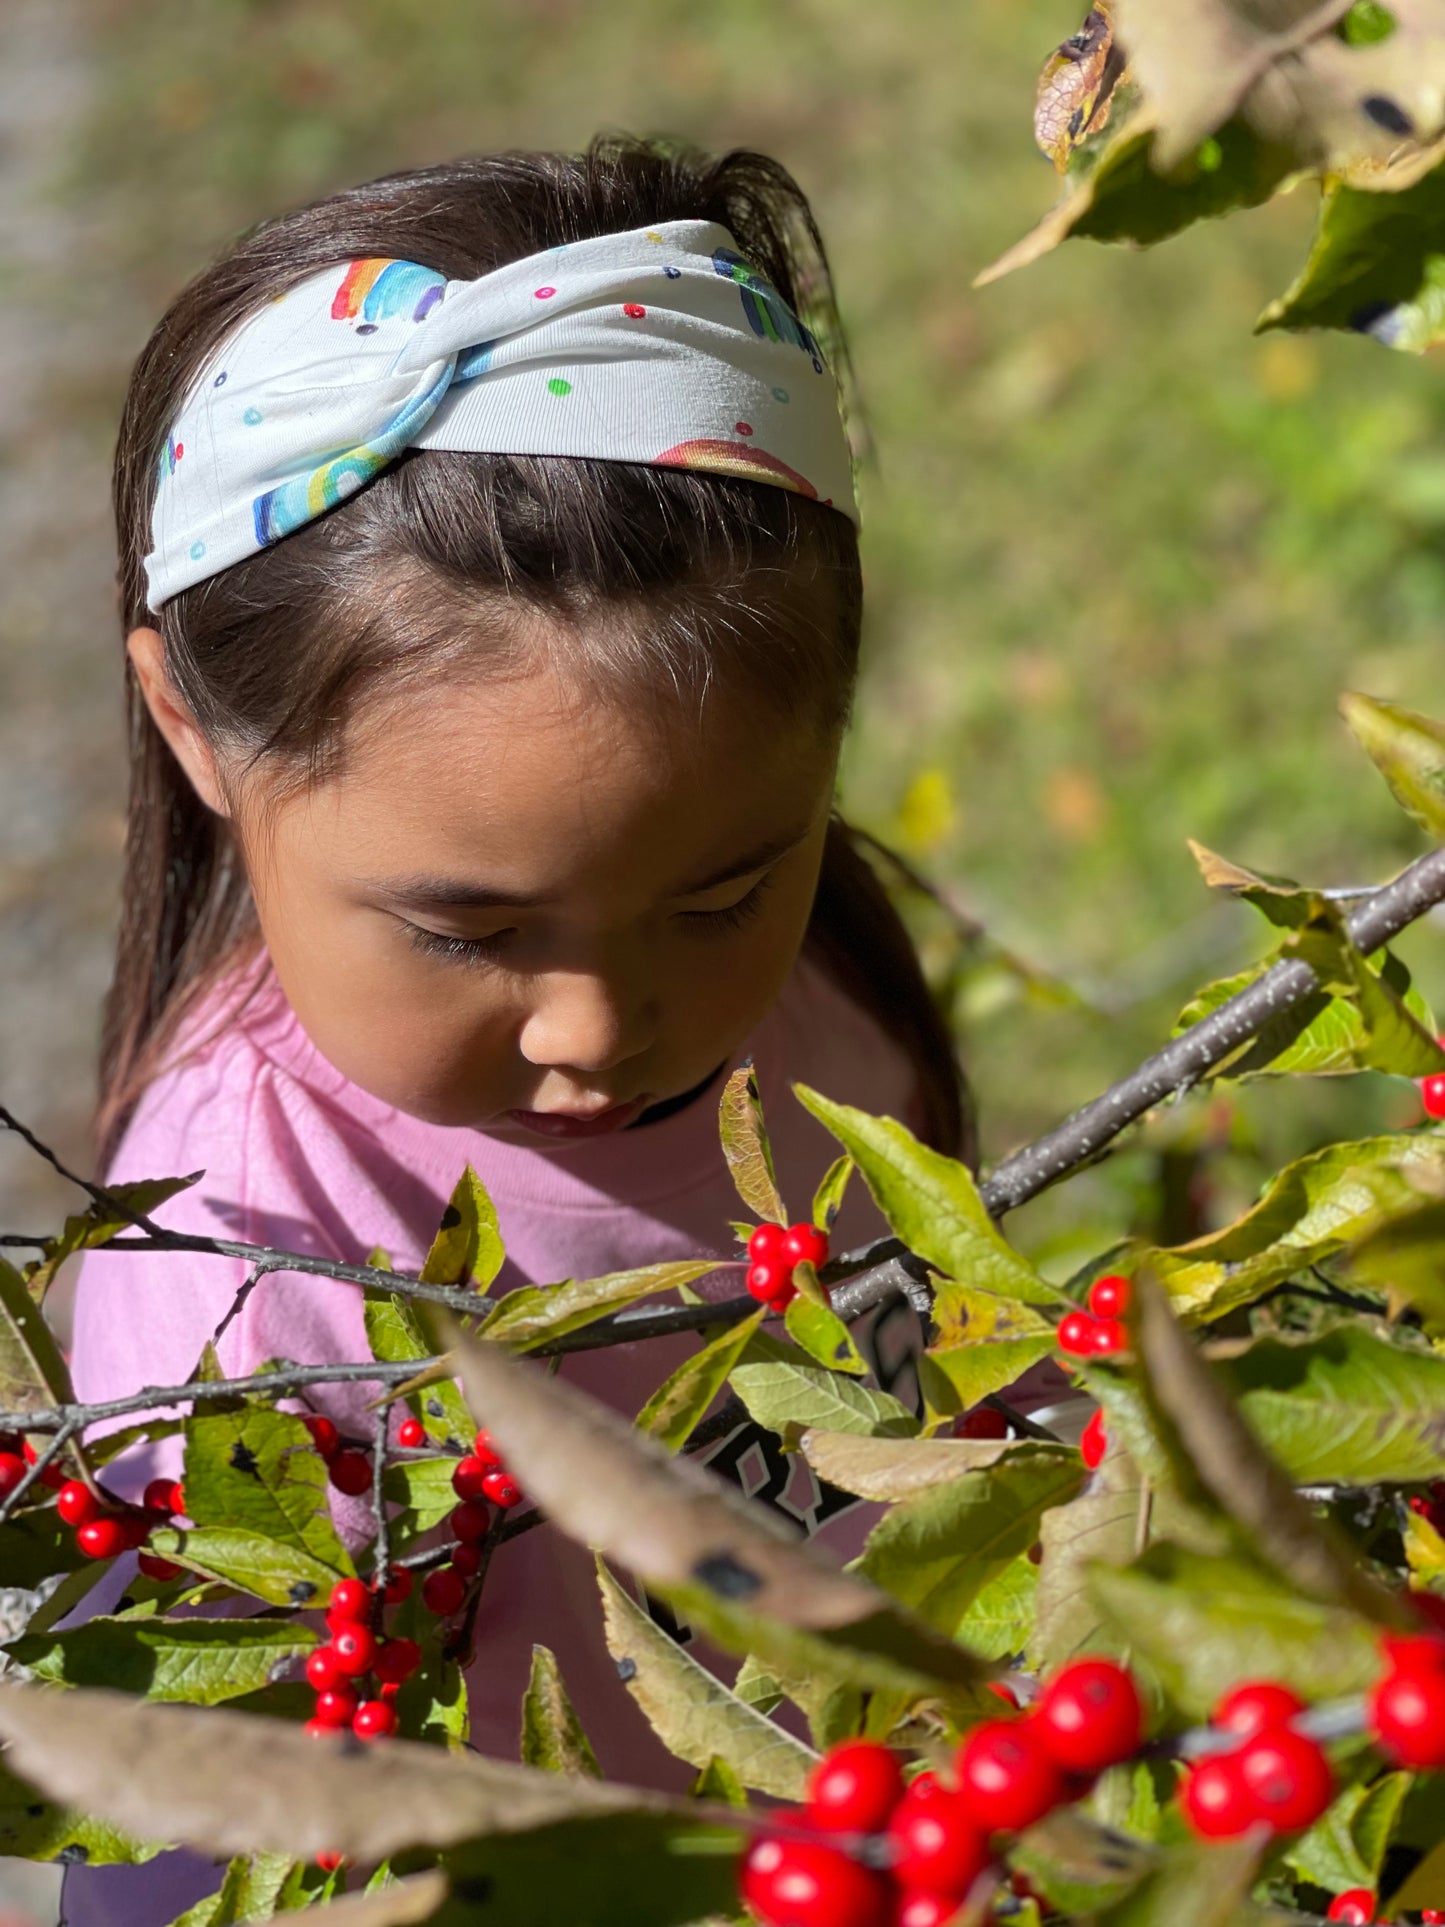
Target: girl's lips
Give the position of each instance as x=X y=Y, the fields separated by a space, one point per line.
x=558 y=1124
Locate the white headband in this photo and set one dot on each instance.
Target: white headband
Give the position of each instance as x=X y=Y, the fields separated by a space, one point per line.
x=660 y=345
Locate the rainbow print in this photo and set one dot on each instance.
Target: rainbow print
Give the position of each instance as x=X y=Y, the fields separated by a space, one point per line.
x=375 y=291
x=721 y=457
x=769 y=316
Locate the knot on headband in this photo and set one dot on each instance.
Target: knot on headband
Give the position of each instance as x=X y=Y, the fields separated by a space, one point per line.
x=658 y=345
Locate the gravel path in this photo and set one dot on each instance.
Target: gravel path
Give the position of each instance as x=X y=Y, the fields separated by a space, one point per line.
x=61 y=747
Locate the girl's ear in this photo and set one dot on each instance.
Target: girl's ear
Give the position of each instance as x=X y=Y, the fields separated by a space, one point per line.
x=174 y=719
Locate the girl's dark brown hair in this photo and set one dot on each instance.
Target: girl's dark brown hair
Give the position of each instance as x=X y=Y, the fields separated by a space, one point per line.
x=712 y=579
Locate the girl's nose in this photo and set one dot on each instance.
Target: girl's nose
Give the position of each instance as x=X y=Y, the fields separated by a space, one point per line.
x=587 y=1023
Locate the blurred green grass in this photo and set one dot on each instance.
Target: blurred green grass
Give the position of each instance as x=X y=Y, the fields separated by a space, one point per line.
x=1121 y=556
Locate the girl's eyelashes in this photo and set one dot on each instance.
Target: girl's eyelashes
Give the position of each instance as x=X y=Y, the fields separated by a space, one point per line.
x=717 y=923
x=473 y=950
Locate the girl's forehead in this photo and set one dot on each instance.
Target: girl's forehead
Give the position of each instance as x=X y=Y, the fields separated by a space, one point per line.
x=527 y=785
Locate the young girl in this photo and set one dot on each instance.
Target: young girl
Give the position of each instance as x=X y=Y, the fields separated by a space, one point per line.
x=491 y=583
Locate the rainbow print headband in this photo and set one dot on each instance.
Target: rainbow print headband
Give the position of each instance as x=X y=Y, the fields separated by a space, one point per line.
x=658 y=345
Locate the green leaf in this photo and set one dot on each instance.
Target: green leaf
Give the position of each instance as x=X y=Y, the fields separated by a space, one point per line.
x=1124 y=199
x=1347 y=1847
x=1279 y=900
x=1000 y=1620
x=1377 y=263
x=424 y=1487
x=1312 y=1210
x=983 y=1345
x=694 y=1715
x=1204 y=1623
x=282 y=1575
x=34 y=1544
x=730 y=1566
x=938 y=1550
x=1403 y=1253
x=1100 y=1525
x=1211 y=1443
x=783 y=1391
x=886 y=1467
x=823 y=1335
x=251 y=1891
x=534 y=1313
x=1197 y=1884
x=552 y=1735
x=258 y=1471
x=1344 y=1407
x=931 y=1202
x=828 y=1198
x=99 y=1224
x=203 y=1661
x=747 y=1148
x=1079 y=1865
x=34 y=1828
x=468 y=1246
x=395 y=1335
x=717 y=1781
x=1407 y=748
x=675 y=1408
x=32 y=1372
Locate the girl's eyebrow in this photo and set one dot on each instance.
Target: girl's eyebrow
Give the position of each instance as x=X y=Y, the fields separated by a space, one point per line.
x=449 y=893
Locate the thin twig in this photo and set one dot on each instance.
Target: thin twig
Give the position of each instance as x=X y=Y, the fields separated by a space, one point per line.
x=381 y=1548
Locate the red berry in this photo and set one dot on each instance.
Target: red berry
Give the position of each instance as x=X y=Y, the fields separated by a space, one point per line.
x=1288 y=1777
x=101 y=1538
x=350 y=1472
x=937 y=1842
x=765 y=1247
x=321 y=1668
x=53 y=1476
x=160 y=1569
x=483 y=1449
x=443 y=1590
x=177 y=1506
x=76 y=1503
x=855 y=1788
x=1433 y=1917
x=352 y=1650
x=1076 y=1333
x=375 y=1720
x=772 y=1284
x=1432 y=1094
x=12 y=1470
x=350 y=1600
x=795 y=1883
x=1109 y=1296
x=502 y=1489
x=411 y=1434
x=467 y=1560
x=1256 y=1705
x=467 y=1477
x=1407 y=1712
x=336 y=1706
x=1356 y=1905
x=469 y=1521
x=1007 y=1776
x=1090 y=1716
x=805 y=1244
x=396 y=1661
x=983 y=1422
x=398 y=1586
x=1109 y=1335
x=1216 y=1802
x=319 y=1730
x=324 y=1435
x=1094 y=1442
x=919 y=1909
x=157 y=1496
x=329 y=1862
x=1414 y=1652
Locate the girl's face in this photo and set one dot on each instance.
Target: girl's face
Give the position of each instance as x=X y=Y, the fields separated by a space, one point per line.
x=526 y=910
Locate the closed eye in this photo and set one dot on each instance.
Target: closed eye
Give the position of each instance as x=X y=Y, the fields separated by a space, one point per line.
x=717 y=923
x=472 y=950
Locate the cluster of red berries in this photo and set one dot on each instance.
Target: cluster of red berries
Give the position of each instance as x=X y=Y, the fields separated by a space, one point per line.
x=480 y=1481
x=355 y=1655
x=938 y=1837
x=774 y=1253
x=1099 y=1330
x=1431 y=1506
x=347 y=1467
x=1406 y=1710
x=104 y=1527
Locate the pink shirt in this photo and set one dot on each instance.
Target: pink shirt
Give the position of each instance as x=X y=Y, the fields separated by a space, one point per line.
x=297 y=1157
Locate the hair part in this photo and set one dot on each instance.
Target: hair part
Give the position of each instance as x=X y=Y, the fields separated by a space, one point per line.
x=659 y=585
